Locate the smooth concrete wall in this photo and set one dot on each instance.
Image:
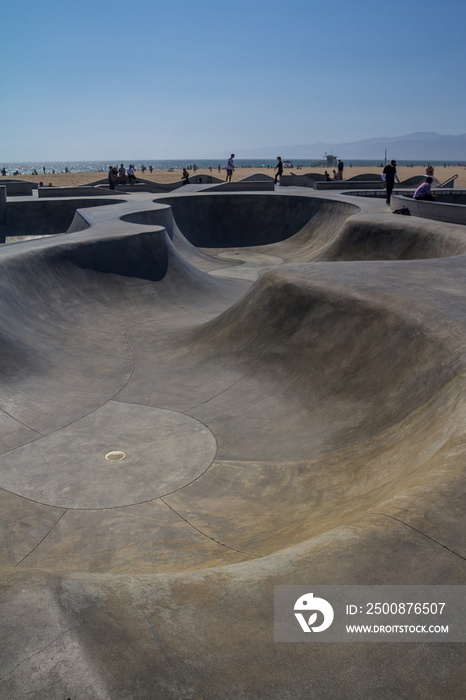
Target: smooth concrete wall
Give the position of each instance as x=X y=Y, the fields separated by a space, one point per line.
x=245 y=186
x=438 y=211
x=221 y=220
x=348 y=185
x=79 y=223
x=2 y=208
x=42 y=218
x=451 y=196
x=46 y=192
x=19 y=188
x=293 y=180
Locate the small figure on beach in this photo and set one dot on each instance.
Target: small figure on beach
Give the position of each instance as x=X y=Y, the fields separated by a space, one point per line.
x=340 y=166
x=326 y=176
x=230 y=167
x=279 y=169
x=185 y=177
x=3 y=172
x=429 y=170
x=424 y=191
x=335 y=175
x=122 y=174
x=130 y=173
x=112 y=177
x=389 y=176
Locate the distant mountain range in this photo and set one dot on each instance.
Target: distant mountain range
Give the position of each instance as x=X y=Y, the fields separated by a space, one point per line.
x=417 y=146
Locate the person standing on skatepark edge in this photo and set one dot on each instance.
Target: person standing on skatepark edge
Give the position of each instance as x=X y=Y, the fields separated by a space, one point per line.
x=340 y=167
x=389 y=175
x=230 y=167
x=279 y=169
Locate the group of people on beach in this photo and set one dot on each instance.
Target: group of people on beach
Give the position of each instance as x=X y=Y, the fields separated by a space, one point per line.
x=121 y=175
x=126 y=176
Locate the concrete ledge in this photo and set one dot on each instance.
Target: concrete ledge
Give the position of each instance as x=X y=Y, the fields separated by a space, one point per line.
x=379 y=193
x=45 y=192
x=18 y=188
x=245 y=186
x=2 y=204
x=307 y=180
x=438 y=211
x=44 y=218
x=348 y=185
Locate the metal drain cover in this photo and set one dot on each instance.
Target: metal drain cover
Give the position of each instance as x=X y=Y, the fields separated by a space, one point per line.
x=115 y=456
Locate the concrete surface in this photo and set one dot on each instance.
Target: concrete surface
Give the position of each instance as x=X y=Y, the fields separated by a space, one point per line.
x=81 y=191
x=284 y=377
x=33 y=217
x=18 y=188
x=452 y=211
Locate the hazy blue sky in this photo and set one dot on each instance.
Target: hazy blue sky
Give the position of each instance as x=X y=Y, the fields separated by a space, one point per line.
x=103 y=79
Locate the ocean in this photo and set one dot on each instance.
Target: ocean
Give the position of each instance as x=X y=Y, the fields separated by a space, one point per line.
x=102 y=166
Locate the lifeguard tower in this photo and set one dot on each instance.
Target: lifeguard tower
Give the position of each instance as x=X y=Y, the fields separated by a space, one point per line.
x=330 y=160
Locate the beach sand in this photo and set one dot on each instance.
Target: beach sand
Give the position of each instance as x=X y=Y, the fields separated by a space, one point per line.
x=74 y=179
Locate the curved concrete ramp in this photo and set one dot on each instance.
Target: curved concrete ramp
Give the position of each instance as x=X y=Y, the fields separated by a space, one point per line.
x=42 y=218
x=174 y=444
x=375 y=177
x=237 y=220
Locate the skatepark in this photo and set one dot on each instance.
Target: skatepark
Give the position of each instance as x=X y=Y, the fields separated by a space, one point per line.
x=205 y=394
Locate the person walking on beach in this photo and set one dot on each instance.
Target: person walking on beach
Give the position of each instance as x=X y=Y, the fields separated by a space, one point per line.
x=230 y=167
x=341 y=165
x=389 y=175
x=279 y=169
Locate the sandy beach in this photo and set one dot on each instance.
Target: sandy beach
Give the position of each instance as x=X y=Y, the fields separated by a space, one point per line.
x=404 y=172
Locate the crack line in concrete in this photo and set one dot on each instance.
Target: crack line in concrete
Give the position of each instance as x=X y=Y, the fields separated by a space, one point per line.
x=222 y=544
x=25 y=425
x=240 y=379
x=422 y=533
x=40 y=650
x=43 y=538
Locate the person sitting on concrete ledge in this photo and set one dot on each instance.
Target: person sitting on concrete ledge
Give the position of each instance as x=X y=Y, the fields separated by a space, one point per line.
x=423 y=191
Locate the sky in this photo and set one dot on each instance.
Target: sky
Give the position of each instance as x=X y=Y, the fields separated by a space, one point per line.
x=129 y=79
